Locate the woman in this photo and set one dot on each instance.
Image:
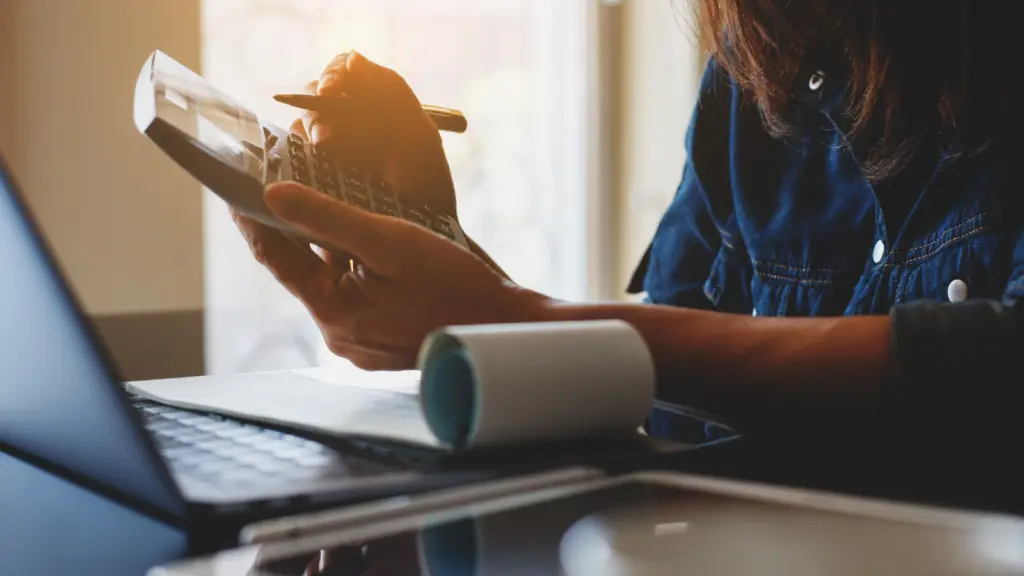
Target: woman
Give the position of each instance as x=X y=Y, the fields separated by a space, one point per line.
x=845 y=159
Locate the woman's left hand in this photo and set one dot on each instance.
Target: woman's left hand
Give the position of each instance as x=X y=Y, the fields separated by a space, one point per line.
x=411 y=281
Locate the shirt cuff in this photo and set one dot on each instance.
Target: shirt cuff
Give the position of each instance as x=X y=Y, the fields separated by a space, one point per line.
x=955 y=365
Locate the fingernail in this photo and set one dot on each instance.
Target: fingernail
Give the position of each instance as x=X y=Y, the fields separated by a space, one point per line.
x=326 y=81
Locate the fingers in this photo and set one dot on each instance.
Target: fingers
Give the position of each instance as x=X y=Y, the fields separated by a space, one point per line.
x=379 y=242
x=387 y=111
x=298 y=269
x=336 y=258
x=332 y=75
x=376 y=87
x=360 y=139
x=370 y=357
x=331 y=83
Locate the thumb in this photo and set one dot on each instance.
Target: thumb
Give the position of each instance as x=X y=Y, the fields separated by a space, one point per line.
x=379 y=242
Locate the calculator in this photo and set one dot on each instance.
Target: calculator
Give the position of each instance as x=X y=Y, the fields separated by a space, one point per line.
x=236 y=154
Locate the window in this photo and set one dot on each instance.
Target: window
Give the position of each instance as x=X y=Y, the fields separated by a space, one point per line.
x=526 y=172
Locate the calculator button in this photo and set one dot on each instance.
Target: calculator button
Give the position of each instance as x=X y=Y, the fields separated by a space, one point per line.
x=331 y=188
x=442 y=227
x=299 y=165
x=274 y=164
x=357 y=192
x=300 y=174
x=353 y=181
x=359 y=198
x=415 y=216
x=269 y=138
x=330 y=184
x=360 y=201
x=383 y=200
x=298 y=152
x=385 y=189
x=326 y=171
x=322 y=162
x=322 y=157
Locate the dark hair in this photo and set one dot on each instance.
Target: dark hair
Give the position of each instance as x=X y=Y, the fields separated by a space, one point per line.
x=921 y=72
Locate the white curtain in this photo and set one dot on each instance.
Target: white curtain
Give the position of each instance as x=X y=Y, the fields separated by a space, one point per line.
x=521 y=70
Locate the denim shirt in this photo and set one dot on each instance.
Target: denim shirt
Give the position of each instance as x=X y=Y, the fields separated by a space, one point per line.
x=791 y=227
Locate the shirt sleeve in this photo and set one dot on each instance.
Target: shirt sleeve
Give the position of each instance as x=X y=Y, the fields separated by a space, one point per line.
x=956 y=392
x=678 y=260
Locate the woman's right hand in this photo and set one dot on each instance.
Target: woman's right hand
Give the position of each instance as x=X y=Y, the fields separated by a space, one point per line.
x=387 y=135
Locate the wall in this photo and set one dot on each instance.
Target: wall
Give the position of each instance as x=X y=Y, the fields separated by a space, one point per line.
x=6 y=93
x=125 y=223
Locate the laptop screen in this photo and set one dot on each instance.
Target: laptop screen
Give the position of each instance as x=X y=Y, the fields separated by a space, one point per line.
x=60 y=400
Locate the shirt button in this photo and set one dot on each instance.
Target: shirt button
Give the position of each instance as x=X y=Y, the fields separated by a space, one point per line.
x=816 y=81
x=878 y=252
x=957 y=291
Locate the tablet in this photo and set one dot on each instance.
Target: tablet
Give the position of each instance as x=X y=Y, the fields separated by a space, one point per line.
x=650 y=524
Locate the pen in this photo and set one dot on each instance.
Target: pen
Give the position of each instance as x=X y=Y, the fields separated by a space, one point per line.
x=445 y=118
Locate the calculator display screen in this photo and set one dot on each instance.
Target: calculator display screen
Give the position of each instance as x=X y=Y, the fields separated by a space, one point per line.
x=214 y=120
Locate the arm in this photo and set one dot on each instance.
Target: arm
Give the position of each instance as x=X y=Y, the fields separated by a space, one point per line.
x=919 y=377
x=773 y=377
x=935 y=373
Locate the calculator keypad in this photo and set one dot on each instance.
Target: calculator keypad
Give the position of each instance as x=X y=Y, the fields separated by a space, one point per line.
x=300 y=163
x=316 y=169
x=384 y=200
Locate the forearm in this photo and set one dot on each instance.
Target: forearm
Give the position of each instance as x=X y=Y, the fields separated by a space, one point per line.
x=773 y=376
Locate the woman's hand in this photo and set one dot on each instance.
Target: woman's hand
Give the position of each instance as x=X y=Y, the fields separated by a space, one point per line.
x=387 y=135
x=411 y=280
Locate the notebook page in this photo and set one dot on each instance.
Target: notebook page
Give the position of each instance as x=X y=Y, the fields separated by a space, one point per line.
x=295 y=400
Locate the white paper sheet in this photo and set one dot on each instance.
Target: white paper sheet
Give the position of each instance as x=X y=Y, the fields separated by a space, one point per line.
x=368 y=404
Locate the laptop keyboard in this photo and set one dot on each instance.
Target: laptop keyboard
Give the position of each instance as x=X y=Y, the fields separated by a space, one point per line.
x=228 y=452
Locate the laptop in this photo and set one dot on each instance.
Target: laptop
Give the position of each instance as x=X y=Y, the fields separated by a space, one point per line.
x=64 y=408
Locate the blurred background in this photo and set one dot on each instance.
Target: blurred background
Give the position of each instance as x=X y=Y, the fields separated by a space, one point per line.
x=577 y=112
